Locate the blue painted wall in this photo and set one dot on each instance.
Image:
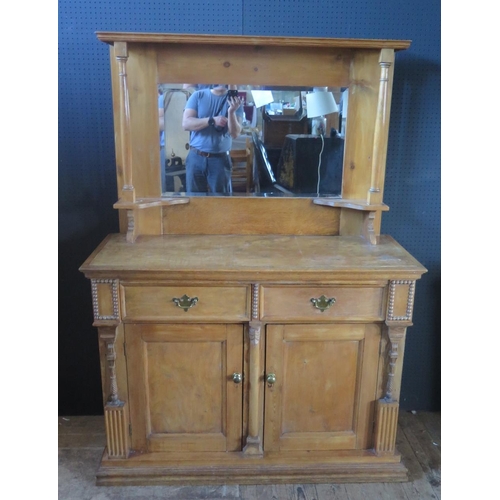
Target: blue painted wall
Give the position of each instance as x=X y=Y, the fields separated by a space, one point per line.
x=87 y=184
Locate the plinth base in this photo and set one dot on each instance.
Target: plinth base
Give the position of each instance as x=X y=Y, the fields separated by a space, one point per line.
x=237 y=468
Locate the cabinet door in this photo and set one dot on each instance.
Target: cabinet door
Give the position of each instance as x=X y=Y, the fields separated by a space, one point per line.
x=325 y=386
x=181 y=389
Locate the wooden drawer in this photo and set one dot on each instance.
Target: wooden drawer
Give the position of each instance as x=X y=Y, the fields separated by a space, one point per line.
x=210 y=303
x=287 y=303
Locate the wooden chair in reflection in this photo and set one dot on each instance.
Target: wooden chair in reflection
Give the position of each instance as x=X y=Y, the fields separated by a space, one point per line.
x=242 y=176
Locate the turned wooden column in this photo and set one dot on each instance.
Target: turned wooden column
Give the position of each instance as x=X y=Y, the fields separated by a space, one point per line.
x=253 y=442
x=121 y=54
x=381 y=127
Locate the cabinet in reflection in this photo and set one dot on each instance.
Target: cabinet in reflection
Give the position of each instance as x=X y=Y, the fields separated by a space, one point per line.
x=313 y=165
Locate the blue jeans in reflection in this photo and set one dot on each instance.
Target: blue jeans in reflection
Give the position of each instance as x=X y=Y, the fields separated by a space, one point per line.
x=162 y=169
x=212 y=174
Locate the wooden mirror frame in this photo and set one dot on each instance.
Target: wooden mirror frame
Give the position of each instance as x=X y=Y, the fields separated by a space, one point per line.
x=139 y=61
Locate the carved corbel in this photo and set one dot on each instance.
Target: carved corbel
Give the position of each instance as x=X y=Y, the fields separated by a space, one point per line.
x=360 y=222
x=131 y=226
x=396 y=335
x=109 y=340
x=368 y=228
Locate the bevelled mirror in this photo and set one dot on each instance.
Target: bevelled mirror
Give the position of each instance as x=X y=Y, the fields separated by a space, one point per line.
x=291 y=141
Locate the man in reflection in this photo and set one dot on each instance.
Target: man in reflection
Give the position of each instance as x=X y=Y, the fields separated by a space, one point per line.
x=214 y=120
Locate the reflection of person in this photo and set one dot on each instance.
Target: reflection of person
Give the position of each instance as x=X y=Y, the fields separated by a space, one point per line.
x=214 y=120
x=161 y=114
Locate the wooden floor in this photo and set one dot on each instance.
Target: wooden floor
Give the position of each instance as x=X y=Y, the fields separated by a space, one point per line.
x=81 y=442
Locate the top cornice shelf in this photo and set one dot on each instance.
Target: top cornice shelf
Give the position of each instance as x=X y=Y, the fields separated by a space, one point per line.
x=346 y=43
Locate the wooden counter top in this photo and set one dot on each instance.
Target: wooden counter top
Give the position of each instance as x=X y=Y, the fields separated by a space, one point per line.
x=251 y=258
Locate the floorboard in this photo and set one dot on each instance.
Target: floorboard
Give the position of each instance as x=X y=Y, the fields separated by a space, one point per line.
x=82 y=439
x=427 y=451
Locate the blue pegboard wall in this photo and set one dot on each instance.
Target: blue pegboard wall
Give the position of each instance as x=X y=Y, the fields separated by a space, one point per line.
x=87 y=184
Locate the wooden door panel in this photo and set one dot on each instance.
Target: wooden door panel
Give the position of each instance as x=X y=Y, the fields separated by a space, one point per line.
x=182 y=396
x=323 y=394
x=185 y=397
x=324 y=375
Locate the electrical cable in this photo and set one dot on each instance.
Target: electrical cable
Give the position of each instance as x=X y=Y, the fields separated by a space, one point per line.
x=319 y=163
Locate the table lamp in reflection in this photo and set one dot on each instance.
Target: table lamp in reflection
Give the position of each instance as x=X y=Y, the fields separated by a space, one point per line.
x=319 y=104
x=262 y=97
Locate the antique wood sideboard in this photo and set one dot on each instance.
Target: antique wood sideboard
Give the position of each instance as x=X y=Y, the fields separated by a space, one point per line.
x=250 y=339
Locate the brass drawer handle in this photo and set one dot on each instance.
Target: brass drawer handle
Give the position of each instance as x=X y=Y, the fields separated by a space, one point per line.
x=323 y=303
x=237 y=378
x=185 y=302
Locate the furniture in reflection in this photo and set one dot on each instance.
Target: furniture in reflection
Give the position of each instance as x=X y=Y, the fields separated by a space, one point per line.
x=242 y=174
x=176 y=138
x=264 y=179
x=175 y=174
x=251 y=116
x=274 y=131
x=303 y=157
x=253 y=338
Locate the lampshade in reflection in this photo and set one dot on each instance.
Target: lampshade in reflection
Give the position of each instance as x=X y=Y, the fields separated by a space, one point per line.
x=320 y=104
x=262 y=97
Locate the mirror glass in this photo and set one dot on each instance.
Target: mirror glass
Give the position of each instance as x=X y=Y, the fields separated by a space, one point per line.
x=284 y=142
